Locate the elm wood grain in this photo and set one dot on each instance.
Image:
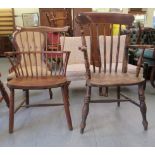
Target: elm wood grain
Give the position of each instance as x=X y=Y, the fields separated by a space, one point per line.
x=4 y=93
x=50 y=75
x=103 y=76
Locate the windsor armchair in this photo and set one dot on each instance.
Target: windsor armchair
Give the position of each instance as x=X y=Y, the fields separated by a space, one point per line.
x=32 y=67
x=3 y=93
x=37 y=39
x=109 y=61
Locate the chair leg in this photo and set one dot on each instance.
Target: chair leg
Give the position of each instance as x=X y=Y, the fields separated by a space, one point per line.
x=11 y=111
x=143 y=107
x=85 y=109
x=4 y=94
x=103 y=91
x=152 y=77
x=50 y=93
x=65 y=95
x=118 y=96
x=145 y=73
x=27 y=97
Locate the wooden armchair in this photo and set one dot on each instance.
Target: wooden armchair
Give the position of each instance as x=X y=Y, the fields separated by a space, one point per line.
x=110 y=65
x=3 y=93
x=27 y=42
x=31 y=39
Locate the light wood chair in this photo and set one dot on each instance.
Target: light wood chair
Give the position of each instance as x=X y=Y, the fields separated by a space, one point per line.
x=33 y=67
x=109 y=60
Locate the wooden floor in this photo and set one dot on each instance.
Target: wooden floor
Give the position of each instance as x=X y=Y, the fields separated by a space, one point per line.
x=107 y=125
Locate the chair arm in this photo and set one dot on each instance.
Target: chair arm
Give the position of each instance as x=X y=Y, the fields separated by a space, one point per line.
x=141 y=46
x=10 y=54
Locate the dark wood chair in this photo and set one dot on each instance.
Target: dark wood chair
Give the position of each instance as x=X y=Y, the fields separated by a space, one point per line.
x=109 y=60
x=35 y=68
x=3 y=93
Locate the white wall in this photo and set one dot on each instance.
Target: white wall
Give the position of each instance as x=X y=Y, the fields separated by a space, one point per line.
x=18 y=14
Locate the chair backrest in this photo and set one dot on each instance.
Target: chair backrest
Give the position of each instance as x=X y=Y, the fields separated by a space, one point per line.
x=107 y=50
x=29 y=40
x=53 y=63
x=39 y=38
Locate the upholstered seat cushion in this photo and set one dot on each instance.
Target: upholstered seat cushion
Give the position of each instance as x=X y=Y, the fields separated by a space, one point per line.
x=148 y=53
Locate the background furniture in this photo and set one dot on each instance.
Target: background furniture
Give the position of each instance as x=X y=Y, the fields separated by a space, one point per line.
x=36 y=69
x=56 y=17
x=7 y=25
x=144 y=36
x=107 y=71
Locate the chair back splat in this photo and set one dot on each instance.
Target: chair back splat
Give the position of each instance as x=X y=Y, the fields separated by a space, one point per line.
x=106 y=48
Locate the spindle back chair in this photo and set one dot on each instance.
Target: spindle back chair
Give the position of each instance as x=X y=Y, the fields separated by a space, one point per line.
x=29 y=39
x=106 y=58
x=34 y=67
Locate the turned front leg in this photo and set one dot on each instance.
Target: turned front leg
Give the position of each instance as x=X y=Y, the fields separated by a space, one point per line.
x=11 y=111
x=143 y=107
x=85 y=109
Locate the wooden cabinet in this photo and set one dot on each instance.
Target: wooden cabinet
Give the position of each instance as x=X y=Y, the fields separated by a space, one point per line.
x=7 y=25
x=56 y=17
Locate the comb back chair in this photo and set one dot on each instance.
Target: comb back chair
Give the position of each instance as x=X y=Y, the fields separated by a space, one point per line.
x=33 y=67
x=109 y=61
x=29 y=39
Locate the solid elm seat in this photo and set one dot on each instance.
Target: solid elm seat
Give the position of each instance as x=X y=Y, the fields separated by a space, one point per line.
x=37 y=83
x=114 y=79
